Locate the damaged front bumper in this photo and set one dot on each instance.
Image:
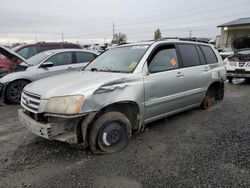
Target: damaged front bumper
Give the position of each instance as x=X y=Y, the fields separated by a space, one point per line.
x=63 y=129
x=238 y=74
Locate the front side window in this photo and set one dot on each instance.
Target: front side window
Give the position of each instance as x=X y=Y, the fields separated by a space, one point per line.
x=83 y=57
x=37 y=59
x=120 y=59
x=61 y=59
x=165 y=58
x=28 y=52
x=189 y=55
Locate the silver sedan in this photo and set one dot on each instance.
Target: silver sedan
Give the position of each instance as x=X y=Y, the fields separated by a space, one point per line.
x=42 y=65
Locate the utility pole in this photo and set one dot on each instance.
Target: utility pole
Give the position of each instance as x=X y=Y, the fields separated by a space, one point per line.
x=190 y=33
x=113 y=29
x=62 y=37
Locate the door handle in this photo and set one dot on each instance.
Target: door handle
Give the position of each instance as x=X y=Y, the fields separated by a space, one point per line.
x=69 y=68
x=179 y=74
x=206 y=69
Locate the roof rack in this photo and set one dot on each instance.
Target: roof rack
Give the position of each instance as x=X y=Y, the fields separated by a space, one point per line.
x=193 y=39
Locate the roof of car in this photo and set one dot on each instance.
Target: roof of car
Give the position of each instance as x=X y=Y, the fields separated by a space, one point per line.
x=162 y=41
x=72 y=50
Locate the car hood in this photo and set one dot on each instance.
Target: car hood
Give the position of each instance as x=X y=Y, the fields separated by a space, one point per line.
x=11 y=54
x=74 y=83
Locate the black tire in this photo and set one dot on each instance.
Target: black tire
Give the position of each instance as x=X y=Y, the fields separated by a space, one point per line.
x=230 y=79
x=220 y=93
x=110 y=133
x=14 y=91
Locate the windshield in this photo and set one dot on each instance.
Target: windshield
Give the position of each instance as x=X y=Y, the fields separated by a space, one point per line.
x=37 y=59
x=121 y=59
x=227 y=49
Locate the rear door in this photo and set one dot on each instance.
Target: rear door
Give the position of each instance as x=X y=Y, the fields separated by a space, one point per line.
x=165 y=85
x=81 y=59
x=197 y=73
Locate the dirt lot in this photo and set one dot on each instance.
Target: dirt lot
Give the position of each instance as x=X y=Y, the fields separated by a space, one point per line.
x=192 y=149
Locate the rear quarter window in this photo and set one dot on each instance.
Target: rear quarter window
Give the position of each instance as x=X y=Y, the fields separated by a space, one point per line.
x=209 y=54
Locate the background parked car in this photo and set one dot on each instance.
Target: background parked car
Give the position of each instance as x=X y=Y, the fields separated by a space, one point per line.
x=42 y=65
x=238 y=65
x=29 y=50
x=226 y=52
x=10 y=61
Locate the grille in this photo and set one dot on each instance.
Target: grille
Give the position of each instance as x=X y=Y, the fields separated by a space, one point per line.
x=30 y=101
x=233 y=63
x=247 y=64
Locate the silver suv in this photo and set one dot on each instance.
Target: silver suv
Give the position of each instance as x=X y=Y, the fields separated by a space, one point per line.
x=122 y=90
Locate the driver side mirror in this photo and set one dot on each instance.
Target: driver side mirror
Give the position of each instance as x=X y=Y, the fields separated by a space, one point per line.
x=47 y=64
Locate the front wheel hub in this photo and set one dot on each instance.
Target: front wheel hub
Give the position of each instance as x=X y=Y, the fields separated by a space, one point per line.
x=113 y=133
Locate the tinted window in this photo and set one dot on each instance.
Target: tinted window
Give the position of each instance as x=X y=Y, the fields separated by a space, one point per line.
x=82 y=57
x=209 y=54
x=61 y=59
x=28 y=52
x=49 y=47
x=189 y=55
x=165 y=58
x=201 y=56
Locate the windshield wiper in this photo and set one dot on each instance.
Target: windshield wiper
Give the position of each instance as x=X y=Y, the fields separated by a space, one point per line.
x=118 y=71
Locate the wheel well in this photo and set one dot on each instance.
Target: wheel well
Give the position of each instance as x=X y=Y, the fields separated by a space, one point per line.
x=12 y=82
x=128 y=108
x=213 y=89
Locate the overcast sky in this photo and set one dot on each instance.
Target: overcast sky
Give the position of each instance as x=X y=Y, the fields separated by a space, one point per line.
x=91 y=20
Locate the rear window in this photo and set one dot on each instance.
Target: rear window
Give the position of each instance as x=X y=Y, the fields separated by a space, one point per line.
x=209 y=54
x=189 y=55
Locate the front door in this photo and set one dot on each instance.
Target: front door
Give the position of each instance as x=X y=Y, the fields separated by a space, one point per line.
x=165 y=85
x=62 y=62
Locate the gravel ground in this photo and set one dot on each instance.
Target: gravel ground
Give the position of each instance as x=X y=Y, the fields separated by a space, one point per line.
x=193 y=149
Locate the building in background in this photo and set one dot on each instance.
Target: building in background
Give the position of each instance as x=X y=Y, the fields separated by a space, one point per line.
x=234 y=29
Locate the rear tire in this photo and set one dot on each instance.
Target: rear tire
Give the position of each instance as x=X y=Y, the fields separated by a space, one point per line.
x=14 y=91
x=110 y=133
x=230 y=79
x=220 y=93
